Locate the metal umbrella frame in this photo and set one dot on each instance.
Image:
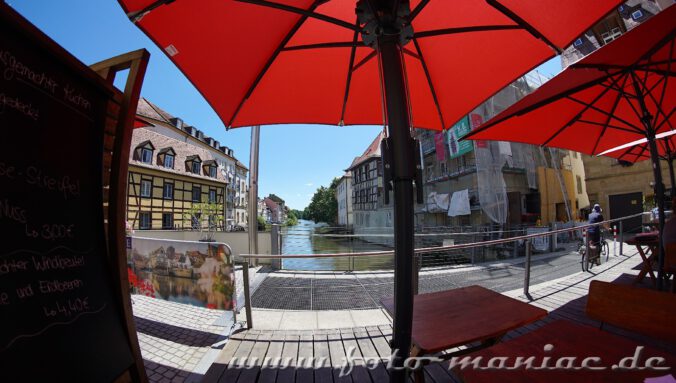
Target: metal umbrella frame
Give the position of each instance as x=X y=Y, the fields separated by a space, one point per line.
x=639 y=151
x=385 y=26
x=605 y=94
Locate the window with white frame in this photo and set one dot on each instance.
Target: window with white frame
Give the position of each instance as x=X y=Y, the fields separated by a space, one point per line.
x=168 y=191
x=146 y=188
x=144 y=152
x=168 y=161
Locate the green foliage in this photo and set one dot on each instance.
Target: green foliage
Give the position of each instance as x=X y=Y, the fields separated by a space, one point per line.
x=261 y=223
x=291 y=219
x=197 y=217
x=324 y=206
x=298 y=213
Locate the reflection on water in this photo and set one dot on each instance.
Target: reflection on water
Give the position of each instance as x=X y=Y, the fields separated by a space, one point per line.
x=299 y=239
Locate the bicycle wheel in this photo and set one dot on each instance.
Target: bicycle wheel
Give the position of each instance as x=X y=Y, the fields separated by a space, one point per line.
x=583 y=258
x=592 y=258
x=605 y=249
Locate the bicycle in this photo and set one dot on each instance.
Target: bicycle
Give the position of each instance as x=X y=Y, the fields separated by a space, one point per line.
x=603 y=252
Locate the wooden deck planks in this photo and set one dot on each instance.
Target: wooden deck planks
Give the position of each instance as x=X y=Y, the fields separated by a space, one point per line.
x=563 y=300
x=337 y=356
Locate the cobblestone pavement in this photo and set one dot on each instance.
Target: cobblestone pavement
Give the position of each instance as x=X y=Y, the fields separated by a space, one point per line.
x=176 y=339
x=328 y=290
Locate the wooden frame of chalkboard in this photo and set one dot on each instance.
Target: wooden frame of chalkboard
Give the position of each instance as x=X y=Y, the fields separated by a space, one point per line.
x=64 y=295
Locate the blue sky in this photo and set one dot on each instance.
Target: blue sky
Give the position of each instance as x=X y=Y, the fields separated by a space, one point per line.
x=291 y=165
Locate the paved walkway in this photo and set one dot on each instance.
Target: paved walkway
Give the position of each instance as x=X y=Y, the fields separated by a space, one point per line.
x=176 y=339
x=564 y=298
x=329 y=290
x=179 y=342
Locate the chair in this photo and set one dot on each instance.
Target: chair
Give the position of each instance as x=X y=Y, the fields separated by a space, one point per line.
x=645 y=311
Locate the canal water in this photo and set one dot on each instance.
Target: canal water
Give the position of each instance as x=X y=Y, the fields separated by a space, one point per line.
x=310 y=238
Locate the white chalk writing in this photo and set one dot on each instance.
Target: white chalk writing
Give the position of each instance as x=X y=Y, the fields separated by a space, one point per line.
x=23 y=107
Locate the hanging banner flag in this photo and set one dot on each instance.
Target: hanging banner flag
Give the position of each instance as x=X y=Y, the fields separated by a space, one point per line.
x=477 y=120
x=439 y=141
x=455 y=133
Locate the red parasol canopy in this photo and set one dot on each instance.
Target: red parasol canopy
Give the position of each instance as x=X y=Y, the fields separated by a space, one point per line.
x=593 y=105
x=303 y=61
x=640 y=151
x=621 y=93
x=402 y=64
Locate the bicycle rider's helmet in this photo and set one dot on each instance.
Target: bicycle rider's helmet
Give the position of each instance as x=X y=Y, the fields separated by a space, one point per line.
x=597 y=208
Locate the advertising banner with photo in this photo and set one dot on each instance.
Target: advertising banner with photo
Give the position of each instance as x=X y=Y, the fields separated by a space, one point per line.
x=197 y=273
x=455 y=147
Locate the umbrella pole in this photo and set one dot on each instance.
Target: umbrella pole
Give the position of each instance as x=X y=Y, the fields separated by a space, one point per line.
x=659 y=195
x=646 y=119
x=403 y=174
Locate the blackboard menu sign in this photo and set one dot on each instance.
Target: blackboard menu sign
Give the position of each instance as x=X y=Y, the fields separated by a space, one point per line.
x=59 y=320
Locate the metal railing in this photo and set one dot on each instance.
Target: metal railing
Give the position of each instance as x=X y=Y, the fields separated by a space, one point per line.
x=526 y=239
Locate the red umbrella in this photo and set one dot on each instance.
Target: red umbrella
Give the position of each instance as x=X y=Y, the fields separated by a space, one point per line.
x=639 y=151
x=618 y=94
x=392 y=62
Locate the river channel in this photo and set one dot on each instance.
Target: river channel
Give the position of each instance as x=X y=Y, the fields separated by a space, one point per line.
x=310 y=238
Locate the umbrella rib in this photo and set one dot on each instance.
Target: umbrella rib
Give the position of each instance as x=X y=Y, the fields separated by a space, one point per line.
x=666 y=121
x=344 y=44
x=628 y=152
x=135 y=17
x=365 y=60
x=429 y=82
x=601 y=111
x=538 y=104
x=353 y=52
x=643 y=150
x=627 y=97
x=272 y=58
x=523 y=23
x=658 y=106
x=666 y=77
x=416 y=11
x=578 y=115
x=605 y=113
x=642 y=67
x=451 y=31
x=634 y=131
x=304 y=12
x=612 y=111
x=410 y=53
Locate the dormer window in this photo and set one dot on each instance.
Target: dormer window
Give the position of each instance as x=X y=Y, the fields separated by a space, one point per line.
x=144 y=152
x=193 y=164
x=165 y=158
x=210 y=168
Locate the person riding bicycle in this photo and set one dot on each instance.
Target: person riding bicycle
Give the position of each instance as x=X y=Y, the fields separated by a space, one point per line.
x=594 y=232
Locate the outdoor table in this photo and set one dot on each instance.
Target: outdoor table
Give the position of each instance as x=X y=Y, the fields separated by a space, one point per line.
x=567 y=339
x=651 y=241
x=464 y=316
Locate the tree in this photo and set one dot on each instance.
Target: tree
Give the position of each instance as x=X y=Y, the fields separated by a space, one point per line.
x=196 y=214
x=324 y=206
x=261 y=223
x=298 y=213
x=291 y=219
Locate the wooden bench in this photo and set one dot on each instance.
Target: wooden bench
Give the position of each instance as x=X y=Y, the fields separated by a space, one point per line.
x=648 y=312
